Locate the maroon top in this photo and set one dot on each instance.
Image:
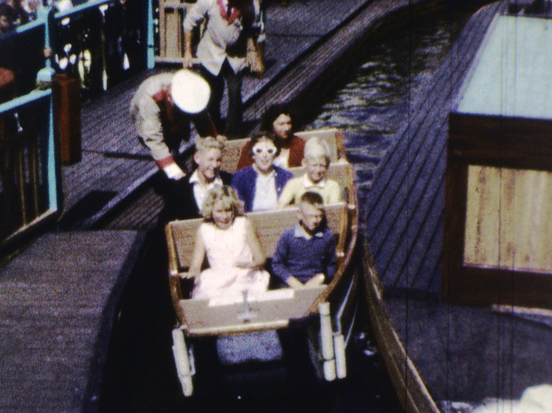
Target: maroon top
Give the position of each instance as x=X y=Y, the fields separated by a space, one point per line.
x=296 y=148
x=7 y=85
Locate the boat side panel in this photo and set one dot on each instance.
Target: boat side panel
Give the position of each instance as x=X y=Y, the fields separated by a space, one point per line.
x=270 y=310
x=183 y=237
x=414 y=396
x=499 y=142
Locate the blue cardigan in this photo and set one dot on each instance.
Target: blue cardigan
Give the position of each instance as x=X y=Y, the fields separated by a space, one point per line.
x=243 y=181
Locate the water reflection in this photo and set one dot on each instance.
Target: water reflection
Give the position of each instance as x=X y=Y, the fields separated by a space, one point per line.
x=374 y=103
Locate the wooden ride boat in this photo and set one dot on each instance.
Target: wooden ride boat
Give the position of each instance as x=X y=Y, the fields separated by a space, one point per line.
x=329 y=311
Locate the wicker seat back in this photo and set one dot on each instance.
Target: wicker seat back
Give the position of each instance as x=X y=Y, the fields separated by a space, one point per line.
x=269 y=225
x=341 y=172
x=332 y=137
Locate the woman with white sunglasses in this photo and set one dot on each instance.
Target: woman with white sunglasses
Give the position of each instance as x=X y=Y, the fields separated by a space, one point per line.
x=259 y=186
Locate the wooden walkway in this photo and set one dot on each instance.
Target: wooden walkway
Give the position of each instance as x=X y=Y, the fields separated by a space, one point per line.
x=306 y=48
x=404 y=220
x=58 y=303
x=462 y=353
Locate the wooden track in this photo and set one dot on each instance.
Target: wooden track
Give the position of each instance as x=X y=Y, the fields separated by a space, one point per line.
x=461 y=353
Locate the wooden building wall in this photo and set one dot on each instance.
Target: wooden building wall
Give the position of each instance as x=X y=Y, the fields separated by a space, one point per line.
x=498 y=207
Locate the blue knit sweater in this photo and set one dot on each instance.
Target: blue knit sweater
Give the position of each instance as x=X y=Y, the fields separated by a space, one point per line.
x=244 y=182
x=304 y=258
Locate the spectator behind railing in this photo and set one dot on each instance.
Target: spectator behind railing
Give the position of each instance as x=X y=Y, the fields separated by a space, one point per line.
x=30 y=8
x=24 y=11
x=23 y=54
x=99 y=42
x=8 y=18
x=122 y=40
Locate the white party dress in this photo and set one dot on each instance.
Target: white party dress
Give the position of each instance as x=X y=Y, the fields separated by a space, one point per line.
x=224 y=248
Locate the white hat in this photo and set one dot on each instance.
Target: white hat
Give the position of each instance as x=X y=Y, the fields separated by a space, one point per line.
x=190 y=91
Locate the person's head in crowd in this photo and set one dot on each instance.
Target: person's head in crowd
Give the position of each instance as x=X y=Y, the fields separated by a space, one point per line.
x=8 y=17
x=278 y=119
x=63 y=5
x=311 y=212
x=208 y=157
x=221 y=206
x=31 y=7
x=264 y=149
x=21 y=14
x=317 y=159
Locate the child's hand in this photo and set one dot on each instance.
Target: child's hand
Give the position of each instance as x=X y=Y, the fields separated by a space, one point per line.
x=190 y=274
x=188 y=60
x=294 y=283
x=249 y=265
x=315 y=281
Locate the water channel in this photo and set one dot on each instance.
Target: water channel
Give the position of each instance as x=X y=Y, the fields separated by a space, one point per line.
x=370 y=106
x=375 y=99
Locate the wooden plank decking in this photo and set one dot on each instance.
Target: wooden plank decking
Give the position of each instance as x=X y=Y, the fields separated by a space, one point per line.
x=462 y=353
x=405 y=205
x=58 y=302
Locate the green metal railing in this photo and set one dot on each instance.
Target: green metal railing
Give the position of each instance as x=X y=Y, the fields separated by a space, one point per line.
x=31 y=191
x=30 y=188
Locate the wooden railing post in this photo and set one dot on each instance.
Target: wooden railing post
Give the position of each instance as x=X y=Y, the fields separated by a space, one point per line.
x=171 y=32
x=66 y=94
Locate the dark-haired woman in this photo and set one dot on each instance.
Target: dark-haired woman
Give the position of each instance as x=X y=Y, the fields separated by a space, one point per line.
x=259 y=185
x=278 y=119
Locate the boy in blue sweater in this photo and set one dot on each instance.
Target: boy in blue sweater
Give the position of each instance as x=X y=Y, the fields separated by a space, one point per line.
x=305 y=253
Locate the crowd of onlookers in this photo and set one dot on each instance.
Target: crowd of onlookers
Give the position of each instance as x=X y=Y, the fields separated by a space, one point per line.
x=14 y=13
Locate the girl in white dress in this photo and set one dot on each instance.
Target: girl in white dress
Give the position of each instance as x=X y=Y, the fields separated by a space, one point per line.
x=232 y=248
